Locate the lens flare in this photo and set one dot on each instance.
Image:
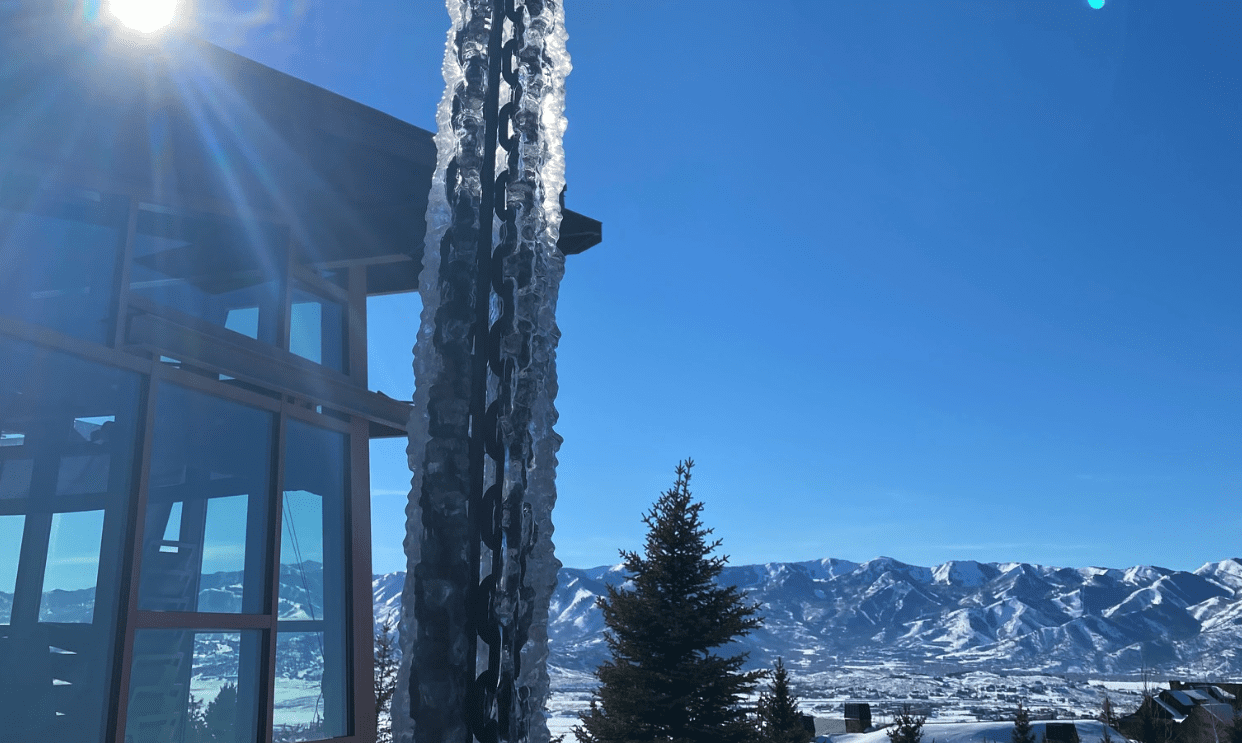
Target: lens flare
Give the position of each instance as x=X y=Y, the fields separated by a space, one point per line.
x=144 y=16
x=1097 y=4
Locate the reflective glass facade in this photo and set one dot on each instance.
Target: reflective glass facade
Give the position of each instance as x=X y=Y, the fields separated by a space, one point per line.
x=184 y=550
x=66 y=463
x=187 y=243
x=60 y=248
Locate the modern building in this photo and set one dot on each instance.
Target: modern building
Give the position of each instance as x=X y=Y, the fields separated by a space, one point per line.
x=187 y=243
x=1184 y=713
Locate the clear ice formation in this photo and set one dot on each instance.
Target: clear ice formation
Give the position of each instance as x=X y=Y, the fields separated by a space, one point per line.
x=482 y=448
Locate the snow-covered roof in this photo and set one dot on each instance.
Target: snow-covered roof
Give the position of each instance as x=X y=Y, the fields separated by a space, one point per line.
x=1226 y=696
x=1177 y=716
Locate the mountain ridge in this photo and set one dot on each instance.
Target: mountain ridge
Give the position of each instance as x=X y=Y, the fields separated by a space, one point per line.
x=962 y=613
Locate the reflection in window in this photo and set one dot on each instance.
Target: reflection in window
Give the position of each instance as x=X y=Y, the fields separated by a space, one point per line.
x=224 y=271
x=317 y=329
x=16 y=467
x=69 y=580
x=87 y=473
x=311 y=657
x=60 y=252
x=189 y=686
x=67 y=436
x=10 y=549
x=203 y=545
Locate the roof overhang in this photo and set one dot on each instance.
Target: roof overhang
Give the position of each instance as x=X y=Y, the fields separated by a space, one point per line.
x=179 y=117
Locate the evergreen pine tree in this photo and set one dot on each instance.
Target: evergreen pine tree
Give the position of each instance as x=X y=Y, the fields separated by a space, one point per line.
x=663 y=681
x=907 y=727
x=1022 y=730
x=779 y=719
x=387 y=660
x=218 y=723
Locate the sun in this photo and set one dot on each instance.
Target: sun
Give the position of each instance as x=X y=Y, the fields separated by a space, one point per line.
x=144 y=16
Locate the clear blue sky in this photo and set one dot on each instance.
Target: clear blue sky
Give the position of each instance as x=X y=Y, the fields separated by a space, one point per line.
x=928 y=279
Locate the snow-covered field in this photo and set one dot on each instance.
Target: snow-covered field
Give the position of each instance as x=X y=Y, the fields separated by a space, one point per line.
x=1089 y=731
x=946 y=698
x=297 y=700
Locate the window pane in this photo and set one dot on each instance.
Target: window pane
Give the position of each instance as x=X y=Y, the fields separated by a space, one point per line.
x=69 y=580
x=317 y=329
x=59 y=250
x=224 y=271
x=191 y=686
x=311 y=656
x=301 y=556
x=205 y=535
x=10 y=549
x=15 y=474
x=303 y=691
x=67 y=433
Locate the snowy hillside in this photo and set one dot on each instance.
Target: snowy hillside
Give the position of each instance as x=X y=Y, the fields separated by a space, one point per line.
x=822 y=614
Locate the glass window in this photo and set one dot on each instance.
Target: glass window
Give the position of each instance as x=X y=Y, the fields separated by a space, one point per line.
x=67 y=438
x=59 y=251
x=194 y=686
x=205 y=535
x=317 y=329
x=71 y=575
x=10 y=550
x=311 y=658
x=223 y=271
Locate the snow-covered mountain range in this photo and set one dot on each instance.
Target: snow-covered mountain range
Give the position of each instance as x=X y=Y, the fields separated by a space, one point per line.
x=825 y=614
x=822 y=614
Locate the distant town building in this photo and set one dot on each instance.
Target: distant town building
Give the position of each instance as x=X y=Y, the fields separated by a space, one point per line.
x=857 y=717
x=1060 y=732
x=829 y=726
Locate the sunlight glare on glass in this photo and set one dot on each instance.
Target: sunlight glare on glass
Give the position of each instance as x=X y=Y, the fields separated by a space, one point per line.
x=144 y=16
x=1097 y=4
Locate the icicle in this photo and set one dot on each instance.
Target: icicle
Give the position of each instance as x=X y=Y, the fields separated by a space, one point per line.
x=466 y=41
x=437 y=698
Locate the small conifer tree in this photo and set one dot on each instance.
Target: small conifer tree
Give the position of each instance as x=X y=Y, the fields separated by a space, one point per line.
x=664 y=681
x=387 y=659
x=779 y=719
x=1022 y=730
x=907 y=727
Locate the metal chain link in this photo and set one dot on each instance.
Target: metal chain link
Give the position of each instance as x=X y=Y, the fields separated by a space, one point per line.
x=501 y=611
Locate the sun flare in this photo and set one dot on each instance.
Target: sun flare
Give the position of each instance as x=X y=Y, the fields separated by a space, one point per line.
x=144 y=16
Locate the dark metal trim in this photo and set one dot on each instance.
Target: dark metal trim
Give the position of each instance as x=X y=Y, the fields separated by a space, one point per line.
x=120 y=288
x=53 y=340
x=199 y=621
x=360 y=625
x=267 y=688
x=126 y=628
x=265 y=366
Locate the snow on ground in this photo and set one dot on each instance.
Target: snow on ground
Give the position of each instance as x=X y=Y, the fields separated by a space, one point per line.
x=297 y=700
x=1135 y=687
x=1089 y=731
x=947 y=696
